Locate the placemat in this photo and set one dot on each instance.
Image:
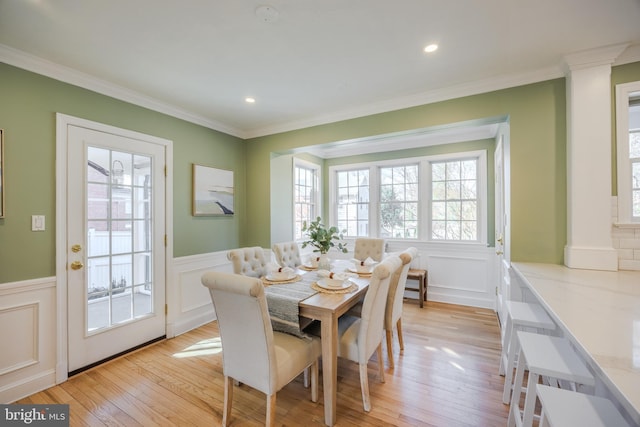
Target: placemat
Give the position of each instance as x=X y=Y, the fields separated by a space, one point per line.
x=348 y=290
x=268 y=282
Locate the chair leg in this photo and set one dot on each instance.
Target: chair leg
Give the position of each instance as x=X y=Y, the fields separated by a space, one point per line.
x=306 y=378
x=364 y=387
x=390 y=347
x=314 y=381
x=228 y=397
x=271 y=411
x=380 y=363
x=400 y=337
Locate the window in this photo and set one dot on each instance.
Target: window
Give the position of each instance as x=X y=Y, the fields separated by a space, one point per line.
x=628 y=152
x=454 y=200
x=634 y=156
x=305 y=194
x=399 y=202
x=437 y=198
x=353 y=202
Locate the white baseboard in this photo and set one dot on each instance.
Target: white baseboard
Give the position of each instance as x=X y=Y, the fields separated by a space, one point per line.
x=27 y=386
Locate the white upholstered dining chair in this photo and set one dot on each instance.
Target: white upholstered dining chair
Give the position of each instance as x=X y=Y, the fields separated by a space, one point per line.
x=248 y=261
x=393 y=311
x=366 y=247
x=252 y=353
x=287 y=254
x=360 y=336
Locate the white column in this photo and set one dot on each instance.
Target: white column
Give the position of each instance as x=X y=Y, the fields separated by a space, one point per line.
x=589 y=243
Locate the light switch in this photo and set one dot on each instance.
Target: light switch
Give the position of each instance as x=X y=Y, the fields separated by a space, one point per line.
x=37 y=222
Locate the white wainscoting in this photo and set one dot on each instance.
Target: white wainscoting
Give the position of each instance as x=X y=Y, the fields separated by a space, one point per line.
x=462 y=274
x=458 y=274
x=190 y=303
x=28 y=336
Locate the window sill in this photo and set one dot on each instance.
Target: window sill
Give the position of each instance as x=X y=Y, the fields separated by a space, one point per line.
x=626 y=224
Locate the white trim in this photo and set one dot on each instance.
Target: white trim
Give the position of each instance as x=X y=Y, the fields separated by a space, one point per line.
x=623 y=92
x=63 y=121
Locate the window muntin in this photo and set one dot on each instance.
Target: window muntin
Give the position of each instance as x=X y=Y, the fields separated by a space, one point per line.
x=399 y=197
x=305 y=194
x=471 y=193
x=352 y=203
x=454 y=200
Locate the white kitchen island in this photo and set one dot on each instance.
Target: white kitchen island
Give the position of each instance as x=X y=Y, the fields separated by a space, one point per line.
x=599 y=312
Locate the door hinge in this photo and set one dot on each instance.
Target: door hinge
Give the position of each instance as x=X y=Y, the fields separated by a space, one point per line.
x=166 y=309
x=165 y=240
x=165 y=171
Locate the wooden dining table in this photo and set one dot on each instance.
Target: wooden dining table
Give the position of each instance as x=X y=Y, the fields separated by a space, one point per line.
x=327 y=308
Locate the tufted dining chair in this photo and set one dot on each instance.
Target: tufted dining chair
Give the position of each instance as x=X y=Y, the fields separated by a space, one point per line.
x=360 y=336
x=366 y=247
x=287 y=254
x=248 y=261
x=252 y=353
x=393 y=311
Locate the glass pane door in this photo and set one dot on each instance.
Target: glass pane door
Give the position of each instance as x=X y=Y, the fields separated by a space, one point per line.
x=118 y=238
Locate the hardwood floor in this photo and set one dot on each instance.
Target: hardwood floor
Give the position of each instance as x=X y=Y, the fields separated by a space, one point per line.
x=447 y=376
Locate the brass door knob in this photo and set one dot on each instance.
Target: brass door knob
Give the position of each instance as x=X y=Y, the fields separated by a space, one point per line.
x=76 y=265
x=499 y=252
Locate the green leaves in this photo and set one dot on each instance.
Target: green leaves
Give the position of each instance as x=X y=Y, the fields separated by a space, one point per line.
x=322 y=238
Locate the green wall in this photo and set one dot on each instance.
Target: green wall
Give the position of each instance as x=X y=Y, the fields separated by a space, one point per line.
x=27 y=115
x=538 y=161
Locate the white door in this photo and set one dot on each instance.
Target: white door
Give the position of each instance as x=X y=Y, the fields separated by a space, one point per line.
x=115 y=244
x=500 y=223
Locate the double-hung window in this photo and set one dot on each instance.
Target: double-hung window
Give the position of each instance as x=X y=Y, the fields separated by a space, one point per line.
x=454 y=200
x=352 y=205
x=399 y=197
x=431 y=198
x=305 y=194
x=628 y=152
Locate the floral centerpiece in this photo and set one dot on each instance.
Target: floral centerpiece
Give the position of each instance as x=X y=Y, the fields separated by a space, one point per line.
x=323 y=238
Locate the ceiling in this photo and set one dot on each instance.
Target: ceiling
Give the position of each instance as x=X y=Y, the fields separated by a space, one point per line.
x=306 y=62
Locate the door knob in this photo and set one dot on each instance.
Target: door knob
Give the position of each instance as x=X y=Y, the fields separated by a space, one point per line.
x=497 y=253
x=76 y=265
x=500 y=240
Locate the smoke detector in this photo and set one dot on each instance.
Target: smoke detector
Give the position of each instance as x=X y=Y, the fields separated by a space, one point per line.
x=267 y=13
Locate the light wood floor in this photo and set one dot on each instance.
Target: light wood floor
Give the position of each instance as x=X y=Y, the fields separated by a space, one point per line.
x=447 y=376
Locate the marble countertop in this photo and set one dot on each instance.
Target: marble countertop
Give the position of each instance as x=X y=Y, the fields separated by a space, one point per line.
x=600 y=310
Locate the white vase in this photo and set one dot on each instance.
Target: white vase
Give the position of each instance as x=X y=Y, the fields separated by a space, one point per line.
x=324 y=263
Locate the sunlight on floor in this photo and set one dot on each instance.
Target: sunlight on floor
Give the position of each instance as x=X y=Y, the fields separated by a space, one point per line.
x=202 y=348
x=450 y=353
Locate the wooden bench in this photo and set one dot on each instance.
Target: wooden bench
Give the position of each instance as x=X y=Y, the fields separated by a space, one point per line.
x=421 y=277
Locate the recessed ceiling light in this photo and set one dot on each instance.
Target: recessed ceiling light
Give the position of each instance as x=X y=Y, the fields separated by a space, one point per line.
x=431 y=48
x=250 y=100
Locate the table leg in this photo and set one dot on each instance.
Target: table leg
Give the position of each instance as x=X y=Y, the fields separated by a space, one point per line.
x=329 y=331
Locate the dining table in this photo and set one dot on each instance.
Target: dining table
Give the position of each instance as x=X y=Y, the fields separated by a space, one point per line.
x=327 y=307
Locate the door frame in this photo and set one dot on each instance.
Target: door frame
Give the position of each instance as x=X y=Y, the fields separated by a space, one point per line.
x=62 y=123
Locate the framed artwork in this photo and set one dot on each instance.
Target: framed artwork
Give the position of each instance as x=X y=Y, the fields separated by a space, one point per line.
x=2 y=209
x=212 y=191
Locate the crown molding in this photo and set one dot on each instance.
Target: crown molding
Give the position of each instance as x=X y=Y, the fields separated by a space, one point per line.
x=589 y=58
x=617 y=54
x=64 y=74
x=429 y=97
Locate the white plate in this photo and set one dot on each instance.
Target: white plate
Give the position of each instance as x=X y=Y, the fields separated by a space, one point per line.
x=310 y=267
x=271 y=278
x=355 y=270
x=323 y=284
